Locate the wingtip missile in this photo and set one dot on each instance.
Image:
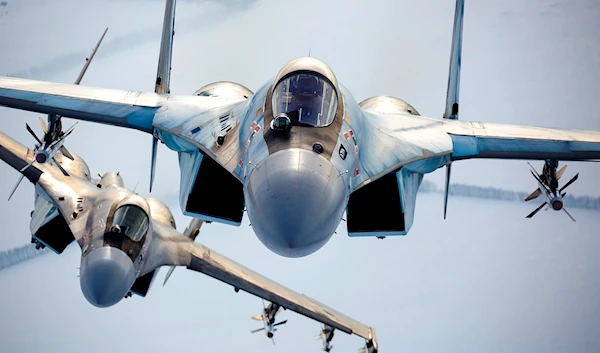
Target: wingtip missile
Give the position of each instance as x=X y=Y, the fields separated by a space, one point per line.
x=371 y=345
x=548 y=186
x=326 y=335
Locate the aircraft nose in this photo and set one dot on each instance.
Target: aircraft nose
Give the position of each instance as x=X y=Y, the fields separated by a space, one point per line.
x=295 y=200
x=106 y=275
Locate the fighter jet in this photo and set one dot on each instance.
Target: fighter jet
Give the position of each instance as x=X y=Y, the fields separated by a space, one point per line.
x=300 y=151
x=125 y=238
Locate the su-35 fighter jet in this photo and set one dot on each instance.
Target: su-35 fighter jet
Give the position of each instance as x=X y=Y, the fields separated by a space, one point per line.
x=125 y=238
x=300 y=151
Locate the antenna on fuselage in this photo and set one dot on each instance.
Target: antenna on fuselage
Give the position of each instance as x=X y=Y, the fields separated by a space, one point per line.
x=452 y=93
x=163 y=73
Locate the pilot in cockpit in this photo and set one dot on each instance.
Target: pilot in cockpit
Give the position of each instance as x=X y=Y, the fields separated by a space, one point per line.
x=307 y=99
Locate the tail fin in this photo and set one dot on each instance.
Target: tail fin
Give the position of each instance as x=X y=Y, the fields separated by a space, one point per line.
x=163 y=72
x=452 y=94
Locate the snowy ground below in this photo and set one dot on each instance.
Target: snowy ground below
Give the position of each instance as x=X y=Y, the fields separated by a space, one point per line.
x=486 y=279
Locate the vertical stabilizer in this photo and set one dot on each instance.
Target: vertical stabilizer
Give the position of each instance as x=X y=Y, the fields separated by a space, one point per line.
x=453 y=91
x=163 y=73
x=452 y=94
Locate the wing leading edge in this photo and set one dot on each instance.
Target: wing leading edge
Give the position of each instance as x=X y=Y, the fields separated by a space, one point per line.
x=131 y=109
x=107 y=106
x=489 y=140
x=137 y=110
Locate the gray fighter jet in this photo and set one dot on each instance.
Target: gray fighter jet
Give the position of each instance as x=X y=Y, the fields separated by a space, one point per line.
x=125 y=238
x=299 y=151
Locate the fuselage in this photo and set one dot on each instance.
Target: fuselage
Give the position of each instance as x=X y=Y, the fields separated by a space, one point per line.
x=297 y=181
x=299 y=150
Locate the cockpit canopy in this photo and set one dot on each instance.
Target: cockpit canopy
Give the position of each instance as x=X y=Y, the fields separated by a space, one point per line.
x=306 y=90
x=131 y=221
x=307 y=98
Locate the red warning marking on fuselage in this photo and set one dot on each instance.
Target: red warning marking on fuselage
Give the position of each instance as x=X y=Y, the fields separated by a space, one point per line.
x=349 y=135
x=254 y=128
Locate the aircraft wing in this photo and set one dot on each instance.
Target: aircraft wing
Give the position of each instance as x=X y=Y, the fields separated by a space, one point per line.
x=187 y=122
x=390 y=141
x=108 y=106
x=488 y=140
x=62 y=190
x=176 y=250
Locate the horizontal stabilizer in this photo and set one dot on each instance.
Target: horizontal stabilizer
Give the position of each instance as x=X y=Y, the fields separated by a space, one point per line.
x=257 y=317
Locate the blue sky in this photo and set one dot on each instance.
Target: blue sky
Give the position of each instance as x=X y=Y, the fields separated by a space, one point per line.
x=485 y=279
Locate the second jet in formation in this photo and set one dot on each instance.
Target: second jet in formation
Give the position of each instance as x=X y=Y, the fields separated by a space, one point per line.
x=125 y=238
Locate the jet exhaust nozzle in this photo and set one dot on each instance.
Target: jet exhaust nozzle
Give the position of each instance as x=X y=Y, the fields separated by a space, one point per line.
x=106 y=276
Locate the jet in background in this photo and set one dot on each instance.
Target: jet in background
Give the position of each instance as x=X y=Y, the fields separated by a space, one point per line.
x=125 y=238
x=300 y=151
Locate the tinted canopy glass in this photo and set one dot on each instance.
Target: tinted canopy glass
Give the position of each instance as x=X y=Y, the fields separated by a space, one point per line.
x=132 y=221
x=307 y=98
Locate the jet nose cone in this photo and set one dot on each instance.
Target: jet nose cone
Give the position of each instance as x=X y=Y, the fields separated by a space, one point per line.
x=106 y=275
x=295 y=200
